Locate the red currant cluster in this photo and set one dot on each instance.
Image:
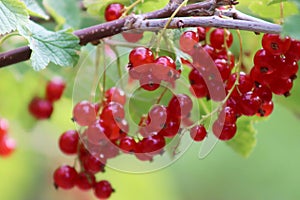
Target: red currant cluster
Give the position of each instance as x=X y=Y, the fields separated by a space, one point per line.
x=275 y=68
x=275 y=65
x=7 y=144
x=114 y=11
x=150 y=71
x=42 y=108
x=66 y=177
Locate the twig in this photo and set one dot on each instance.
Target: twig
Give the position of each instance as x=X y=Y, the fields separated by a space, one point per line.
x=154 y=21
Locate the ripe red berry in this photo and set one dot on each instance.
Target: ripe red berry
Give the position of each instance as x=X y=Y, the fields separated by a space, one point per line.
x=274 y=45
x=55 y=88
x=249 y=104
x=165 y=69
x=201 y=33
x=85 y=180
x=92 y=164
x=65 y=177
x=103 y=189
x=140 y=56
x=127 y=144
x=294 y=50
x=198 y=133
x=4 y=125
x=84 y=113
x=113 y=11
x=95 y=133
x=68 y=142
x=40 y=108
x=218 y=36
x=132 y=37
x=224 y=131
x=266 y=109
x=7 y=146
x=188 y=40
x=116 y=95
x=180 y=105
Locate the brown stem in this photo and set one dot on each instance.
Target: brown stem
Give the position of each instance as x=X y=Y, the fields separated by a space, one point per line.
x=153 y=21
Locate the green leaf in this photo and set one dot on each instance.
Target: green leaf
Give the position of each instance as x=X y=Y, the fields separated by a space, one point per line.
x=275 y=1
x=13 y=13
x=66 y=13
x=244 y=141
x=291 y=27
x=47 y=46
x=35 y=10
x=272 y=11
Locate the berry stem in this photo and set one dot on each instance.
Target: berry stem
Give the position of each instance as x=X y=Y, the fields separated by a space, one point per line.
x=161 y=95
x=96 y=74
x=168 y=23
x=5 y=37
x=127 y=9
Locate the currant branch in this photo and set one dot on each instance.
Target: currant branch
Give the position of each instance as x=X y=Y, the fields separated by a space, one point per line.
x=154 y=21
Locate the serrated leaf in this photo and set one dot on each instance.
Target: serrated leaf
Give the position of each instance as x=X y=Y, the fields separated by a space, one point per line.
x=291 y=27
x=66 y=13
x=261 y=8
x=13 y=13
x=47 y=46
x=275 y=1
x=244 y=141
x=35 y=10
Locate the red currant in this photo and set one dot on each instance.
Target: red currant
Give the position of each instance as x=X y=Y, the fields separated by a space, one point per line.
x=275 y=45
x=55 y=88
x=103 y=189
x=65 y=177
x=198 y=133
x=40 y=108
x=219 y=36
x=113 y=11
x=68 y=142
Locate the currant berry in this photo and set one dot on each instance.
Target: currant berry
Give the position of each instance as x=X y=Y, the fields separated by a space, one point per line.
x=264 y=93
x=201 y=33
x=132 y=37
x=180 y=105
x=95 y=133
x=103 y=189
x=249 y=104
x=171 y=126
x=188 y=40
x=165 y=68
x=266 y=109
x=198 y=133
x=112 y=113
x=140 y=152
x=223 y=68
x=127 y=144
x=140 y=56
x=4 y=126
x=149 y=82
x=153 y=144
x=84 y=113
x=85 y=180
x=92 y=164
x=157 y=117
x=116 y=95
x=273 y=44
x=294 y=50
x=68 y=142
x=7 y=146
x=228 y=115
x=40 y=108
x=55 y=88
x=224 y=131
x=65 y=177
x=281 y=86
x=113 y=11
x=219 y=36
